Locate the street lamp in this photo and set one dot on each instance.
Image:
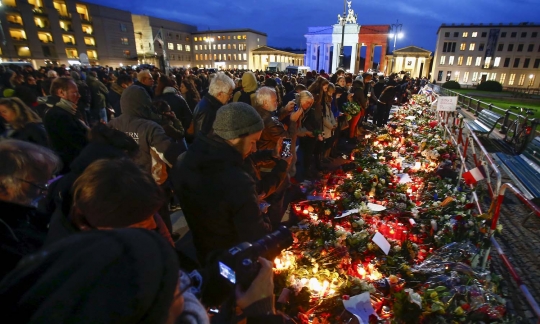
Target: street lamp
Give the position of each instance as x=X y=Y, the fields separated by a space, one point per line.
x=342 y=21
x=395 y=32
x=210 y=40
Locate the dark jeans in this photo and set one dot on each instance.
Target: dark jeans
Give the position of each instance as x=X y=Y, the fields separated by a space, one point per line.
x=381 y=114
x=311 y=149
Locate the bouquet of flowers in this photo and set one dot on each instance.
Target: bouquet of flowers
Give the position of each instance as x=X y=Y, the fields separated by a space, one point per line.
x=351 y=108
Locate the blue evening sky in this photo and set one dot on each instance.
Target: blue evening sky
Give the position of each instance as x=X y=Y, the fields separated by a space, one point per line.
x=286 y=21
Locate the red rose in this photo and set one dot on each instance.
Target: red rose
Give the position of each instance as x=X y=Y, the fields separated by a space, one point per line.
x=345 y=297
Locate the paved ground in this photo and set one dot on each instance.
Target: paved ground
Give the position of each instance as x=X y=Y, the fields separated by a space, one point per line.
x=519 y=240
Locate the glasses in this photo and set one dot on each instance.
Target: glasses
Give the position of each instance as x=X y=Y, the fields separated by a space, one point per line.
x=41 y=187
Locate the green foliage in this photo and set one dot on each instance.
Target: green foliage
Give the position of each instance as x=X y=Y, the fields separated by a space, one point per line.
x=491 y=85
x=451 y=85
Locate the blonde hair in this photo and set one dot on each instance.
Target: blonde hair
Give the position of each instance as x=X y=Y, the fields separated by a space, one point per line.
x=23 y=113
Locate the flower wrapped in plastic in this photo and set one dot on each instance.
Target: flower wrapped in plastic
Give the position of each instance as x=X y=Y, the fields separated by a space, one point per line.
x=351 y=108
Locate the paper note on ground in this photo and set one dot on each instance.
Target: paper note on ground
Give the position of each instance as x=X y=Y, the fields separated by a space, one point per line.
x=381 y=241
x=360 y=306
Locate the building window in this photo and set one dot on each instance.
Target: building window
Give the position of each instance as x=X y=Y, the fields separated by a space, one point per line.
x=242 y=47
x=487 y=62
x=523 y=34
x=493 y=77
x=520 y=48
x=526 y=63
x=469 y=61
x=465 y=76
x=124 y=41
x=521 y=80
x=179 y=47
x=448 y=75
x=481 y=47
x=219 y=56
x=218 y=46
x=474 y=34
x=462 y=46
x=195 y=39
x=484 y=34
x=500 y=47
x=83 y=12
x=503 y=34
x=510 y=47
x=45 y=38
x=68 y=39
x=188 y=48
x=471 y=46
x=513 y=34
x=90 y=41
x=172 y=57
x=460 y=61
x=534 y=34
x=205 y=47
x=503 y=76
x=170 y=46
x=478 y=61
x=516 y=62
x=465 y=34
x=506 y=62
x=497 y=62
x=451 y=60
x=72 y=53
x=456 y=76
x=123 y=27
x=233 y=46
x=234 y=57
x=244 y=36
x=127 y=53
x=512 y=78
x=449 y=47
x=196 y=47
x=456 y=34
x=245 y=56
x=536 y=63
x=196 y=57
x=531 y=80
x=443 y=60
x=530 y=48
x=228 y=46
x=474 y=77
x=439 y=76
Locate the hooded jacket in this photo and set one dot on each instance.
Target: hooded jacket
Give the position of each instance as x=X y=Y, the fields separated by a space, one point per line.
x=99 y=92
x=218 y=198
x=249 y=86
x=156 y=149
x=178 y=105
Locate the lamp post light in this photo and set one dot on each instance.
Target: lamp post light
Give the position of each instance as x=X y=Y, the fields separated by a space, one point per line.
x=395 y=32
x=210 y=40
x=342 y=21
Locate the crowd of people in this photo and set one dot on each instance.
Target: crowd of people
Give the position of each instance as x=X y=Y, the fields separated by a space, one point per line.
x=94 y=161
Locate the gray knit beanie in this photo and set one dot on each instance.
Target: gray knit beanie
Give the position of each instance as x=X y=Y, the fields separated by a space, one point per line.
x=236 y=120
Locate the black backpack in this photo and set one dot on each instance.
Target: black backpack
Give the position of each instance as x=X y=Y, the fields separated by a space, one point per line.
x=245 y=97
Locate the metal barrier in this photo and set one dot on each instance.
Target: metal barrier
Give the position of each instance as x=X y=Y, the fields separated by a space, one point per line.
x=495 y=219
x=476 y=106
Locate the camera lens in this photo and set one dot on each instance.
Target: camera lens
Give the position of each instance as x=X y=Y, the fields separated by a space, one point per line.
x=272 y=244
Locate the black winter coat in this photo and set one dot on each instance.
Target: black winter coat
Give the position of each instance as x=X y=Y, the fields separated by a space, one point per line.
x=218 y=198
x=205 y=114
x=32 y=132
x=179 y=106
x=68 y=135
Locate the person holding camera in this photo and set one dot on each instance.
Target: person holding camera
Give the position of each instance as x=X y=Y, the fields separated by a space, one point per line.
x=218 y=197
x=118 y=276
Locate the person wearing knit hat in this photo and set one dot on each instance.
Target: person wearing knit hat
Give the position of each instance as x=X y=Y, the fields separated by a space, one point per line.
x=218 y=197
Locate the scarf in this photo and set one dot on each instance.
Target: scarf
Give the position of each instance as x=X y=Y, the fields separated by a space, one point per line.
x=67 y=106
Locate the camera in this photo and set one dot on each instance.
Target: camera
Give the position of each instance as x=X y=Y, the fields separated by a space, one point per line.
x=286 y=148
x=296 y=101
x=238 y=266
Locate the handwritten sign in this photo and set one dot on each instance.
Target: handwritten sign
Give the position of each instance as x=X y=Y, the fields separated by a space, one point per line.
x=447 y=103
x=360 y=307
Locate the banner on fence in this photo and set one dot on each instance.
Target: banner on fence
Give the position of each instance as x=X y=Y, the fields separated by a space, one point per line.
x=446 y=103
